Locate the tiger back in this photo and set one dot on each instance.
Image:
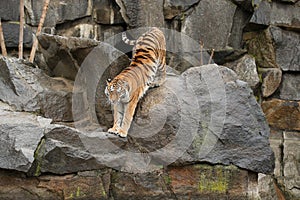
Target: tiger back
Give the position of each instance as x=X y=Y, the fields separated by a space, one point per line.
x=147 y=69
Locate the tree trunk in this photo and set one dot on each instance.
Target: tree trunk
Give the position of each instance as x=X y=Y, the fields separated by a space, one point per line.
x=38 y=32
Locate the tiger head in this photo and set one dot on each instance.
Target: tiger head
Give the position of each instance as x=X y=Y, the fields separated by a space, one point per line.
x=117 y=91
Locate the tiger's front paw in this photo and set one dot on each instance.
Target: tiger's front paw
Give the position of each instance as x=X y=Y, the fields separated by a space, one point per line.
x=153 y=85
x=113 y=131
x=122 y=133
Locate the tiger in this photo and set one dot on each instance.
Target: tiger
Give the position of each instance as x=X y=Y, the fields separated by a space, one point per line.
x=147 y=69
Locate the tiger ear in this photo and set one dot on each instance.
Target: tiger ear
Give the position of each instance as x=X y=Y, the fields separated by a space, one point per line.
x=108 y=81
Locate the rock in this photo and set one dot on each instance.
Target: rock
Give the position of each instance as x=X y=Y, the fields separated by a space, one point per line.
x=141 y=186
x=261 y=46
x=274 y=13
x=65 y=55
x=194 y=182
x=245 y=4
x=276 y=143
x=20 y=135
x=84 y=185
x=236 y=93
x=214 y=30
x=173 y=8
x=290 y=87
x=164 y=123
x=27 y=88
x=245 y=68
x=274 y=48
x=268 y=189
x=276 y=113
x=262 y=13
x=147 y=13
x=291 y=163
x=11 y=35
x=228 y=54
x=271 y=79
x=240 y=22
x=106 y=12
x=8 y=11
x=211 y=182
x=58 y=11
x=287 y=51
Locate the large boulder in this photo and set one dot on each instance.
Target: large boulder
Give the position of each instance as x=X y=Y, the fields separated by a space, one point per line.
x=27 y=88
x=186 y=120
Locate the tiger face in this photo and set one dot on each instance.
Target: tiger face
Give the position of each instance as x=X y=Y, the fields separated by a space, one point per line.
x=117 y=91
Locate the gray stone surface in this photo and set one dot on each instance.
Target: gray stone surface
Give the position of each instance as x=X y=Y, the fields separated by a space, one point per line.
x=11 y=35
x=106 y=12
x=246 y=4
x=145 y=13
x=215 y=30
x=9 y=11
x=173 y=8
x=246 y=70
x=64 y=55
x=290 y=87
x=27 y=88
x=20 y=134
x=291 y=162
x=287 y=45
x=240 y=21
x=274 y=13
x=58 y=11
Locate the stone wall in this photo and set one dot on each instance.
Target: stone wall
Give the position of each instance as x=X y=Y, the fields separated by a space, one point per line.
x=258 y=39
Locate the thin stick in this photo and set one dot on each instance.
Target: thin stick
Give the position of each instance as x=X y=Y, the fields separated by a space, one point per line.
x=39 y=30
x=2 y=41
x=211 y=56
x=21 y=33
x=201 y=53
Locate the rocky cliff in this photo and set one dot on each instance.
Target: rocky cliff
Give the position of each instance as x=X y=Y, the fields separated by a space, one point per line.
x=208 y=133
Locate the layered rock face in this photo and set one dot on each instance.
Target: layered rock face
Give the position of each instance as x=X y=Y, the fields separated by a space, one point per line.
x=208 y=133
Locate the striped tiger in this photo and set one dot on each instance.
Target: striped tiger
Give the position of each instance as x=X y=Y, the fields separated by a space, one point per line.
x=147 y=69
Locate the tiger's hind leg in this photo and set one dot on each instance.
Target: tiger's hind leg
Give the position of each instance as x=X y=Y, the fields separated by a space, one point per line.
x=159 y=78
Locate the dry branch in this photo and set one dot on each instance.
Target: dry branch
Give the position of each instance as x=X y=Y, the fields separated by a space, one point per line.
x=2 y=41
x=39 y=30
x=21 y=33
x=201 y=53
